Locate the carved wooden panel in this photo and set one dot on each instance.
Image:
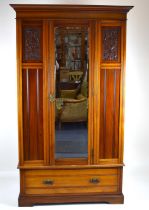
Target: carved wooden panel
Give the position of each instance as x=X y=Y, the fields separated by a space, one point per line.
x=32 y=89
x=111 y=44
x=32 y=44
x=109 y=113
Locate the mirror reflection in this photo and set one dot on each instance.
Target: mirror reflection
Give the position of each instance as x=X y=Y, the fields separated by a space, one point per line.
x=71 y=90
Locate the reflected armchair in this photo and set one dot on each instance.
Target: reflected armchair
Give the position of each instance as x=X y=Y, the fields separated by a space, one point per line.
x=71 y=110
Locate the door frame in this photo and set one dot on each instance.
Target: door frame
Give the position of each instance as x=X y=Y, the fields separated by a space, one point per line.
x=51 y=90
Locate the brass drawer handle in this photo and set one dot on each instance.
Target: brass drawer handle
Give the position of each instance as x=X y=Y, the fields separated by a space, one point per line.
x=48 y=182
x=94 y=180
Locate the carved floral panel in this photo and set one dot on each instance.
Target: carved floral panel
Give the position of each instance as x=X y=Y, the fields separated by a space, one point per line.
x=110 y=41
x=32 y=44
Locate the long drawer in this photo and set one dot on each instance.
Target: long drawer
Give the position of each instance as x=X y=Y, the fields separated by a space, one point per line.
x=70 y=181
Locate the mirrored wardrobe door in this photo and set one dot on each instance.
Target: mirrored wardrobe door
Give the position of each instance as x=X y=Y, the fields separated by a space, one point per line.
x=71 y=80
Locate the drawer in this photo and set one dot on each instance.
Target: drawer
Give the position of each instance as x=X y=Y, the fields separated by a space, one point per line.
x=70 y=181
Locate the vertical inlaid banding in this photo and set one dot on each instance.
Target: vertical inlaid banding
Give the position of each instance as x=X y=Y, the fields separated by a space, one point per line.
x=32 y=114
x=104 y=107
x=109 y=113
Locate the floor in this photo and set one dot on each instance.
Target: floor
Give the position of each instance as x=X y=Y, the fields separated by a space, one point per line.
x=136 y=191
x=71 y=140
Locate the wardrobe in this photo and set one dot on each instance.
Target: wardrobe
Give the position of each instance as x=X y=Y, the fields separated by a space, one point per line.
x=71 y=63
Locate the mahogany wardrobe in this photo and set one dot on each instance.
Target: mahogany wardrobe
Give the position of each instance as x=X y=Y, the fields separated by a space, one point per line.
x=71 y=91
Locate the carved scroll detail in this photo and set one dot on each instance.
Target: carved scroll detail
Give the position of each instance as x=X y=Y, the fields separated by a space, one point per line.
x=32 y=44
x=110 y=40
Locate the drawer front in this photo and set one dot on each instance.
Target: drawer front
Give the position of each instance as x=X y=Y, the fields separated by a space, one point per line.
x=70 y=181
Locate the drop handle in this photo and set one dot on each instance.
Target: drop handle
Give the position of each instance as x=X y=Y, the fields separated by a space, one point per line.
x=94 y=180
x=48 y=182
